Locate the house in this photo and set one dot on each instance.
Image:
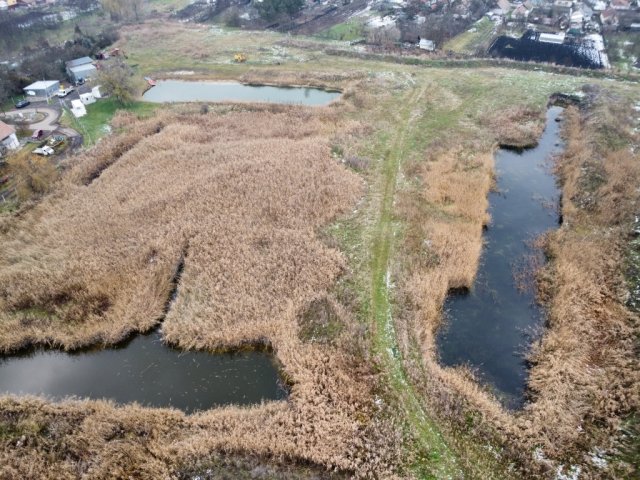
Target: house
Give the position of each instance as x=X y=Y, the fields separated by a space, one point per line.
x=609 y=19
x=520 y=13
x=42 y=89
x=562 y=8
x=78 y=109
x=80 y=68
x=8 y=137
x=504 y=5
x=621 y=4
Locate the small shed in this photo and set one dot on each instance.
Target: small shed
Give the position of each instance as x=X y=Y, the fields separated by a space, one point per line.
x=428 y=45
x=42 y=90
x=95 y=91
x=87 y=98
x=78 y=109
x=8 y=137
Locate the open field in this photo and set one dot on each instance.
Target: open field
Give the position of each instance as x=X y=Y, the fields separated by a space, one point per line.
x=477 y=38
x=368 y=210
x=96 y=123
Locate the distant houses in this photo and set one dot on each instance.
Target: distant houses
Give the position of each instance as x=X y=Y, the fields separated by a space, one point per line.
x=80 y=69
x=42 y=89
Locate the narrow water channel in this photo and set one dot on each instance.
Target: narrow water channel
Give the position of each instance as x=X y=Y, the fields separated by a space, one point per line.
x=490 y=327
x=185 y=91
x=146 y=371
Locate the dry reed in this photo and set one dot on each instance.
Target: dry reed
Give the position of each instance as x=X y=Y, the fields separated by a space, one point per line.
x=240 y=193
x=584 y=380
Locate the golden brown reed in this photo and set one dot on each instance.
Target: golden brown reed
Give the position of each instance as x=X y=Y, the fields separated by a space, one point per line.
x=239 y=194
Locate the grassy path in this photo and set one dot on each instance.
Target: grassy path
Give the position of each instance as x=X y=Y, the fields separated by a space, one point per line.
x=439 y=461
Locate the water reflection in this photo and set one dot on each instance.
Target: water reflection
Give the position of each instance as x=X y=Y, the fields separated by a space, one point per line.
x=185 y=91
x=489 y=327
x=146 y=371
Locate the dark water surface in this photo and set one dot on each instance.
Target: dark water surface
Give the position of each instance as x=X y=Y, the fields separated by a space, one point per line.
x=185 y=91
x=146 y=371
x=490 y=327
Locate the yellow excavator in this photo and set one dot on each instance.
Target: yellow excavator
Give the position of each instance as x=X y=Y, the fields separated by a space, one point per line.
x=240 y=58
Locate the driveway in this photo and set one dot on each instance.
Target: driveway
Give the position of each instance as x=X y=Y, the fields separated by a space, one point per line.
x=50 y=122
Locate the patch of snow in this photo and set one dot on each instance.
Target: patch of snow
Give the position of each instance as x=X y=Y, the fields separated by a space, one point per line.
x=597 y=456
x=572 y=474
x=381 y=22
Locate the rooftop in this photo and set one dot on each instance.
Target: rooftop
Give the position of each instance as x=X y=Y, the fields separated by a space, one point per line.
x=82 y=68
x=42 y=84
x=6 y=130
x=78 y=61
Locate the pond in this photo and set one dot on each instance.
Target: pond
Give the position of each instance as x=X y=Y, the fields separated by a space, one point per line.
x=490 y=328
x=185 y=91
x=145 y=370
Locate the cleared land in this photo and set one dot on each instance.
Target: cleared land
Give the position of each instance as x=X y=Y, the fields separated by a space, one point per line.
x=476 y=39
x=334 y=235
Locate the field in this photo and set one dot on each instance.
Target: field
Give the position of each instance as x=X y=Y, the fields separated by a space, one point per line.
x=366 y=212
x=477 y=38
x=95 y=124
x=347 y=31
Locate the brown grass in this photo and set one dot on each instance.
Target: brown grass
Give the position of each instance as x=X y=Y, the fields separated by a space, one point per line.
x=517 y=127
x=240 y=192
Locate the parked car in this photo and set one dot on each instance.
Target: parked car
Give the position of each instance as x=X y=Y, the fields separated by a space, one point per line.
x=79 y=82
x=23 y=103
x=46 y=151
x=63 y=92
x=37 y=135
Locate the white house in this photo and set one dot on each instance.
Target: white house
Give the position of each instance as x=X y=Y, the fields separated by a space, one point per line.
x=95 y=91
x=8 y=137
x=78 y=109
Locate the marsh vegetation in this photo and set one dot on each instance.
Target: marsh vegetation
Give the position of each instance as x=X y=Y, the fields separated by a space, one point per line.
x=334 y=235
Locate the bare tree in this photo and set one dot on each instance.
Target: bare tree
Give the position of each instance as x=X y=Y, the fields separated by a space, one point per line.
x=116 y=80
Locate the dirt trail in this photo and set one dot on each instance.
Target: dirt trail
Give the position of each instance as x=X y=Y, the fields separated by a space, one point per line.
x=424 y=430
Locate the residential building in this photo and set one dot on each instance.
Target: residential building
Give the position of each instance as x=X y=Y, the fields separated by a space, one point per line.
x=562 y=8
x=8 y=137
x=609 y=19
x=621 y=4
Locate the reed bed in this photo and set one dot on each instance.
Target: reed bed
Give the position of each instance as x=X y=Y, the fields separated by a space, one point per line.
x=584 y=377
x=238 y=194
